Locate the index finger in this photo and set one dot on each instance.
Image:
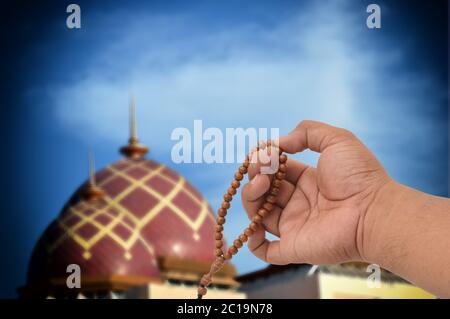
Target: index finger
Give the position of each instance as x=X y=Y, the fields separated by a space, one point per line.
x=313 y=135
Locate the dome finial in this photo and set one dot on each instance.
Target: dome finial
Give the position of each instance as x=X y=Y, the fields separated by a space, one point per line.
x=91 y=168
x=132 y=110
x=133 y=150
x=92 y=192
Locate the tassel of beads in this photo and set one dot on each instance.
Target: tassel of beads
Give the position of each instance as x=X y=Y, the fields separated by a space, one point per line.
x=264 y=210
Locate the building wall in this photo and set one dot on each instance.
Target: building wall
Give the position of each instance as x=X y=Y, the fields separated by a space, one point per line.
x=292 y=284
x=333 y=286
x=296 y=284
x=180 y=291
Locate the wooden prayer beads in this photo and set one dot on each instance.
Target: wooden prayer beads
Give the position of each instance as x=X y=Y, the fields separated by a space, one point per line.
x=265 y=209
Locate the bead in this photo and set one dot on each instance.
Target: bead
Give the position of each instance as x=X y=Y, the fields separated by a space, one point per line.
x=280 y=175
x=220 y=220
x=257 y=219
x=217 y=264
x=218 y=236
x=274 y=191
x=282 y=168
x=222 y=212
x=235 y=184
x=243 y=238
x=243 y=169
x=227 y=197
x=276 y=183
x=268 y=206
x=253 y=226
x=246 y=163
x=263 y=212
x=238 y=176
x=219 y=252
x=219 y=228
x=226 y=205
x=231 y=191
x=271 y=199
x=206 y=280
x=201 y=291
x=219 y=243
x=232 y=250
x=227 y=256
x=283 y=158
x=248 y=232
x=237 y=243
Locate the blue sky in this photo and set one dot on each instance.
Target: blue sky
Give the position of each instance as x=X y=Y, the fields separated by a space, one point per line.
x=264 y=64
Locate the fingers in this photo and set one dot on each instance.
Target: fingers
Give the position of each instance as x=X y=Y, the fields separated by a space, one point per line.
x=294 y=169
x=254 y=191
x=271 y=222
x=268 y=251
x=255 y=163
x=253 y=198
x=313 y=135
x=257 y=187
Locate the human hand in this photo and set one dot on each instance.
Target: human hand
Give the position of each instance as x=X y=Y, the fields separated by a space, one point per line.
x=320 y=212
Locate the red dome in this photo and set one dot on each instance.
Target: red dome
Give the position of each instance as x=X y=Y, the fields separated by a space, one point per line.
x=148 y=211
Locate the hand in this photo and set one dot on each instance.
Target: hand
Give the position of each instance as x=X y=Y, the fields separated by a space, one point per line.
x=320 y=212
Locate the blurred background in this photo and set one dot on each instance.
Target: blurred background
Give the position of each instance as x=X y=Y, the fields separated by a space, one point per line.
x=262 y=64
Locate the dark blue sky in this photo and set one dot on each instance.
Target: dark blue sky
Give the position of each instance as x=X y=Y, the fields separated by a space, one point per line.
x=273 y=62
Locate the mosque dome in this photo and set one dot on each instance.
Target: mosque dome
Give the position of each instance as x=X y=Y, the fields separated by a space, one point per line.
x=124 y=224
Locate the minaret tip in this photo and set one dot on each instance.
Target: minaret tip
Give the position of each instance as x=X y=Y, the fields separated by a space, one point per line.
x=132 y=111
x=91 y=168
x=92 y=191
x=133 y=150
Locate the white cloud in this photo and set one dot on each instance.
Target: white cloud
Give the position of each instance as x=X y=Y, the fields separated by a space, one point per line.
x=299 y=69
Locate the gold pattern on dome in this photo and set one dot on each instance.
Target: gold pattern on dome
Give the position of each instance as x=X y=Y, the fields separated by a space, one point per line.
x=87 y=213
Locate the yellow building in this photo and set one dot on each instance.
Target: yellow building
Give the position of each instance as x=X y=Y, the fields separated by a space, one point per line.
x=346 y=281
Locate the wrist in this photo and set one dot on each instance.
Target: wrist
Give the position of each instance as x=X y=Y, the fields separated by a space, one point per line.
x=382 y=226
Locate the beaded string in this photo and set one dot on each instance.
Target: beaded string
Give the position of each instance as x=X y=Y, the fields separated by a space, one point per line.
x=262 y=212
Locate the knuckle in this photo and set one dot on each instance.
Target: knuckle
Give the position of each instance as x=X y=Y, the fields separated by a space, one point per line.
x=304 y=124
x=347 y=134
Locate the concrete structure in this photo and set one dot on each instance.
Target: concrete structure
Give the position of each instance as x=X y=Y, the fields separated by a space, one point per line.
x=346 y=281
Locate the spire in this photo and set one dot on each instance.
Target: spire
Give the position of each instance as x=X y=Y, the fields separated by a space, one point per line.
x=133 y=150
x=92 y=191
x=133 y=128
x=91 y=169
